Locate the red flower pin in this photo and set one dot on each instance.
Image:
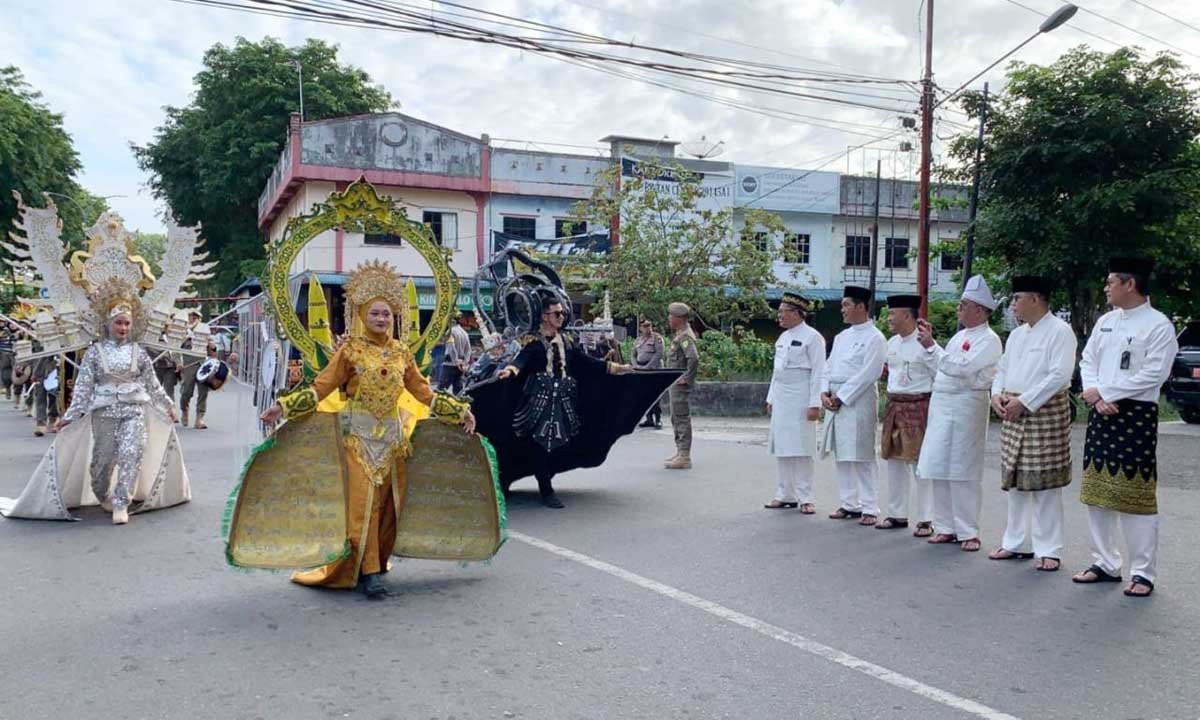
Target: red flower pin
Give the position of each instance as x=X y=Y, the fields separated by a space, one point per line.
x=966 y=346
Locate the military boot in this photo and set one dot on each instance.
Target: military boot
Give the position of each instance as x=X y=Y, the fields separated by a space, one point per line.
x=682 y=461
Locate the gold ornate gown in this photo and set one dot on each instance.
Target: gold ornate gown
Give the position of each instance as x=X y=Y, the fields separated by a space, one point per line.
x=375 y=370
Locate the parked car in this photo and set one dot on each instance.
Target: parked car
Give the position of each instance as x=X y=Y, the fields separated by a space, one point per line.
x=1183 y=388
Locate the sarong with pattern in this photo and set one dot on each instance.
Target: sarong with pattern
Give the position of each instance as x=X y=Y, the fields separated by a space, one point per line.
x=1035 y=449
x=1120 y=459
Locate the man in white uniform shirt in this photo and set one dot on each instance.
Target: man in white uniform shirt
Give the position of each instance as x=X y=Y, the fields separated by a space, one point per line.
x=794 y=404
x=1029 y=393
x=910 y=372
x=955 y=441
x=851 y=400
x=1125 y=362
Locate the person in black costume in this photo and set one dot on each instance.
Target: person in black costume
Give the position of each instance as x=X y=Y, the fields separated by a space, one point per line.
x=555 y=408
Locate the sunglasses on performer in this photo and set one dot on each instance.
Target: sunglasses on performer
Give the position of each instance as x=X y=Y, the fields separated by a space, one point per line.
x=557 y=313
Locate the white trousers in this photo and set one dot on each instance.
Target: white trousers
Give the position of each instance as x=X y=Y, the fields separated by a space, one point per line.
x=956 y=505
x=1036 y=516
x=856 y=487
x=1141 y=533
x=794 y=479
x=899 y=472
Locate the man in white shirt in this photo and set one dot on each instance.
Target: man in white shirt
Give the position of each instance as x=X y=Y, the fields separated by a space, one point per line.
x=956 y=438
x=1125 y=362
x=794 y=404
x=851 y=400
x=910 y=372
x=1029 y=393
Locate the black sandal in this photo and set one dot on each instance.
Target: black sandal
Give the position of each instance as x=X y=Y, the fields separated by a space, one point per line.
x=844 y=514
x=779 y=505
x=1139 y=580
x=891 y=523
x=1101 y=576
x=1041 y=566
x=1012 y=555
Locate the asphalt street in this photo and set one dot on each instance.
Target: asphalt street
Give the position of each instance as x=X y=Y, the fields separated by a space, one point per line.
x=654 y=594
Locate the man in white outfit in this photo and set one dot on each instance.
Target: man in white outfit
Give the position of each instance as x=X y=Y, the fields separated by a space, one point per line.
x=1029 y=393
x=910 y=372
x=956 y=438
x=851 y=400
x=1125 y=362
x=794 y=404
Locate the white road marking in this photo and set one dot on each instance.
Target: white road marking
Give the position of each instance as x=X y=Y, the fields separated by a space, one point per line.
x=772 y=631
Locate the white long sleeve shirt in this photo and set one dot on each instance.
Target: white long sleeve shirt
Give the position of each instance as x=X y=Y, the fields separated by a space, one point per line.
x=910 y=368
x=968 y=362
x=1149 y=338
x=856 y=361
x=799 y=365
x=1038 y=362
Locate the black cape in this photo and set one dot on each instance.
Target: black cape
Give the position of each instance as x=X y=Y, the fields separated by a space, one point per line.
x=610 y=406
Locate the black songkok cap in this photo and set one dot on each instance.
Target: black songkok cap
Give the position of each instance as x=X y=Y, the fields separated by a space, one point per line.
x=794 y=299
x=860 y=294
x=1131 y=266
x=912 y=302
x=1033 y=283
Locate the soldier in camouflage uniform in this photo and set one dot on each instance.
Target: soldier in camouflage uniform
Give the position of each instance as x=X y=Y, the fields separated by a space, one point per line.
x=686 y=356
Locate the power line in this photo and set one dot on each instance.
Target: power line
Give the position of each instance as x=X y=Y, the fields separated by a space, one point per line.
x=1139 y=32
x=311 y=11
x=1169 y=17
x=1069 y=26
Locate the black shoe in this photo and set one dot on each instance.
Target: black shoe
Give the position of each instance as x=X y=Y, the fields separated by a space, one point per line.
x=372 y=586
x=552 y=501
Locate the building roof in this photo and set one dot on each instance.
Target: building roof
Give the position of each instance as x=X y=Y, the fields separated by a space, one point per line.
x=648 y=141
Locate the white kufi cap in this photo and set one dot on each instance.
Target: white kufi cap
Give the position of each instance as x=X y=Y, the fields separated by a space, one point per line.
x=977 y=291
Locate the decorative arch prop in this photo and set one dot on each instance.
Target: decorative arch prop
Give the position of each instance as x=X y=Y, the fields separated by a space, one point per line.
x=358 y=209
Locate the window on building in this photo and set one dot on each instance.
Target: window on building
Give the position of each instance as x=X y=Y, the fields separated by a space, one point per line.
x=444 y=226
x=951 y=261
x=796 y=247
x=383 y=239
x=566 y=227
x=858 y=251
x=525 y=227
x=762 y=241
x=896 y=253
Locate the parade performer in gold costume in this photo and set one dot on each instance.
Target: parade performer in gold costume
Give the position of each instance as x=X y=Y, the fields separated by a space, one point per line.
x=375 y=369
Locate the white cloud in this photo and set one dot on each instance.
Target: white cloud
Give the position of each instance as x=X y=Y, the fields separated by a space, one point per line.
x=110 y=67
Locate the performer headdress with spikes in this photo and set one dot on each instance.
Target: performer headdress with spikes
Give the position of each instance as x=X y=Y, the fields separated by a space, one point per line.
x=371 y=281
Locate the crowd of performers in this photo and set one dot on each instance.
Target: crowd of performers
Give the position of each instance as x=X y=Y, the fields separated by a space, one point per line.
x=548 y=404
x=940 y=397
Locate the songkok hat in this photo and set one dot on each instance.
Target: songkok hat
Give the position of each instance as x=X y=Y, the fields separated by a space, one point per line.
x=1131 y=266
x=1032 y=283
x=679 y=309
x=854 y=292
x=794 y=299
x=978 y=292
x=912 y=302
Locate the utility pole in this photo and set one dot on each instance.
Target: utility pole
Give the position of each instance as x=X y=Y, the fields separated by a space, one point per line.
x=926 y=151
x=875 y=237
x=300 y=82
x=969 y=248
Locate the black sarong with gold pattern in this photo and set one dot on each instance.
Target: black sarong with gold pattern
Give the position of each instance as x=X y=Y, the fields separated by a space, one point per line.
x=1120 y=459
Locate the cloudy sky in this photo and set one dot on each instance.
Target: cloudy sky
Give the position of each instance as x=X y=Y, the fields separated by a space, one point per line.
x=110 y=66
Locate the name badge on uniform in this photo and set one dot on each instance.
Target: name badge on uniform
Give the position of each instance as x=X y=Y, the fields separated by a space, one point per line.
x=797 y=343
x=1125 y=360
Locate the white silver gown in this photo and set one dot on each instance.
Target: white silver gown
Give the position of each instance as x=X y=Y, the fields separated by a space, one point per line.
x=119 y=445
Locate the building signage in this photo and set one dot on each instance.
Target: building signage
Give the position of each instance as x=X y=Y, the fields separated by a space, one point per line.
x=788 y=190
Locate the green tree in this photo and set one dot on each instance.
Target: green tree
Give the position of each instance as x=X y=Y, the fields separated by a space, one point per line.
x=211 y=159
x=1093 y=156
x=79 y=210
x=670 y=249
x=151 y=246
x=36 y=154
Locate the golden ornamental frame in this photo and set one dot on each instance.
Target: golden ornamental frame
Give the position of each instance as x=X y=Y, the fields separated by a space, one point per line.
x=357 y=209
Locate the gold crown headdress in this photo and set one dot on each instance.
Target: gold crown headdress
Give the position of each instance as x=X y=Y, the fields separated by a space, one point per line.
x=375 y=280
x=116 y=297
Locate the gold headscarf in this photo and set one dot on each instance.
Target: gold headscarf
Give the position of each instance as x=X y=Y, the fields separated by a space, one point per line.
x=371 y=281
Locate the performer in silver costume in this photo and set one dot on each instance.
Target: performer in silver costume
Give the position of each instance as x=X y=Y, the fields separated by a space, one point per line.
x=116 y=381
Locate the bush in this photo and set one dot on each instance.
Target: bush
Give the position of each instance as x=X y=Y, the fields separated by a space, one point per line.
x=739 y=357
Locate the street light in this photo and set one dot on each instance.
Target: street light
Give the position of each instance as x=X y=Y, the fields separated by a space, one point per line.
x=1053 y=21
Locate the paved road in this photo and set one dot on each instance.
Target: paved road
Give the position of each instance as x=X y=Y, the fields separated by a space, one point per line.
x=655 y=594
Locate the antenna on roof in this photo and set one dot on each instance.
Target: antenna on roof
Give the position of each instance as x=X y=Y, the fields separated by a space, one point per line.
x=703 y=148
